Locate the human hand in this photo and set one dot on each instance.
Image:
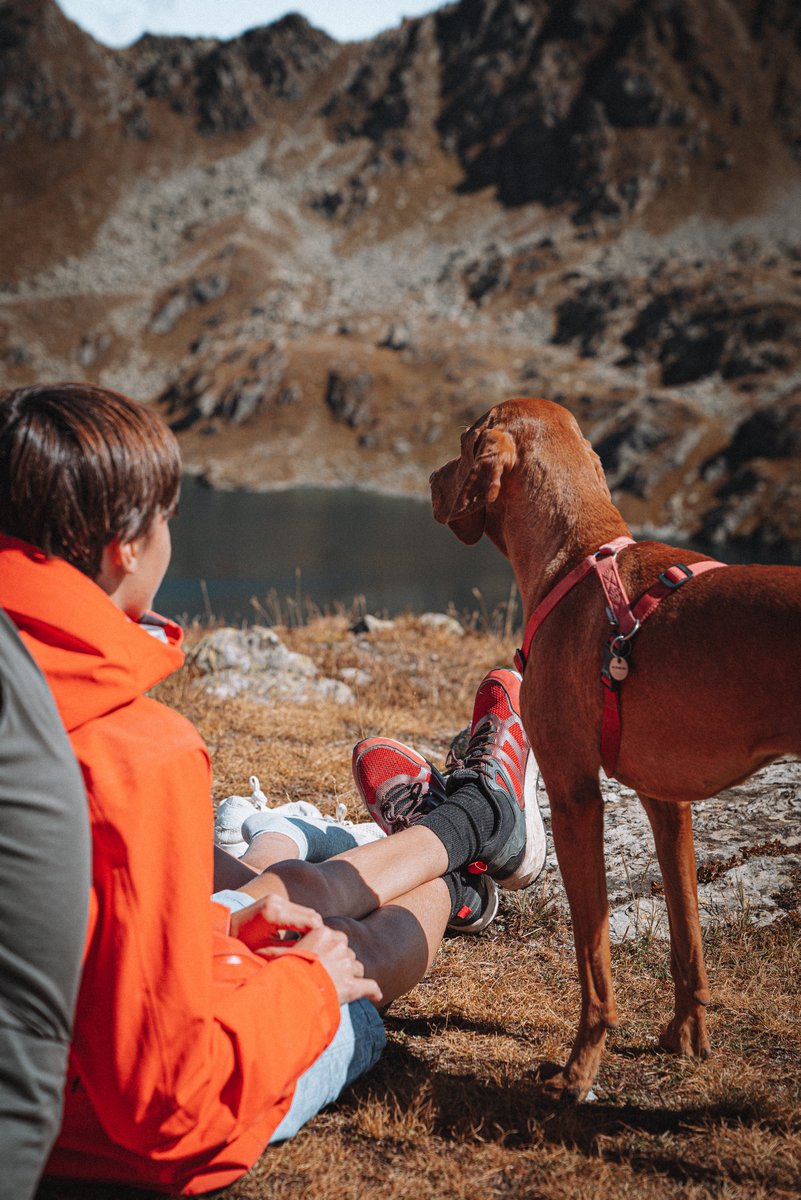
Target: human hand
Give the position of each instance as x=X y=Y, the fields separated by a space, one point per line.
x=346 y=971
x=263 y=923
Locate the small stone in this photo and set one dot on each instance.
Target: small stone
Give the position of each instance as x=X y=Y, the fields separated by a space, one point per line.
x=210 y=288
x=370 y=624
x=356 y=676
x=397 y=337
x=170 y=313
x=443 y=621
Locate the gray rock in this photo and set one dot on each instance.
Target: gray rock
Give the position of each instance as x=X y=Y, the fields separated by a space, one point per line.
x=747 y=846
x=210 y=288
x=443 y=621
x=370 y=624
x=397 y=337
x=255 y=664
x=349 y=398
x=18 y=356
x=356 y=676
x=245 y=650
x=170 y=313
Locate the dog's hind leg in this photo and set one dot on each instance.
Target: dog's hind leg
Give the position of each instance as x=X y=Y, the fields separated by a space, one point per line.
x=671 y=823
x=577 y=825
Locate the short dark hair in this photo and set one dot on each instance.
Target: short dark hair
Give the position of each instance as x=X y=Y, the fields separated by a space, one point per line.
x=81 y=465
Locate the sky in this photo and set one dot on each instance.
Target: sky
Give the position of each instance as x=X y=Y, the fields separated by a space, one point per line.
x=120 y=22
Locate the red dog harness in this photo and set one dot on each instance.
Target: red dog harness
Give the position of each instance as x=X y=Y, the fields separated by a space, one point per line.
x=625 y=620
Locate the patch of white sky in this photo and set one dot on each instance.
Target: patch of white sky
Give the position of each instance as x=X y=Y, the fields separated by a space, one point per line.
x=120 y=22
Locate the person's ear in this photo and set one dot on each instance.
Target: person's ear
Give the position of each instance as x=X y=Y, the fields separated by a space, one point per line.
x=126 y=555
x=118 y=560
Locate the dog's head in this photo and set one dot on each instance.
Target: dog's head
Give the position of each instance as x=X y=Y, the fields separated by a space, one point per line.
x=516 y=438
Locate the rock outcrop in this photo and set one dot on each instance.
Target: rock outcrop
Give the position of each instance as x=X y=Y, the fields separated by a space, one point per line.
x=321 y=260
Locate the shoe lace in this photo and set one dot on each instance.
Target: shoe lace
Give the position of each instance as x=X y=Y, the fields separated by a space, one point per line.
x=402 y=803
x=340 y=816
x=491 y=758
x=479 y=751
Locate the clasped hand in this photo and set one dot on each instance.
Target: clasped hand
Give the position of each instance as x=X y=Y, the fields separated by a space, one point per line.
x=274 y=926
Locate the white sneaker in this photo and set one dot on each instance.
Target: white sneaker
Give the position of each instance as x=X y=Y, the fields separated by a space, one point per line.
x=235 y=810
x=232 y=813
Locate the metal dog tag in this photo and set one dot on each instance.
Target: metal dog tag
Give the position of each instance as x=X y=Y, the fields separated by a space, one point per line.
x=618 y=668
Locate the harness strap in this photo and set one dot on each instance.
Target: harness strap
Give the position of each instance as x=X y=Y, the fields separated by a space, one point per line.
x=561 y=589
x=610 y=727
x=670 y=579
x=624 y=620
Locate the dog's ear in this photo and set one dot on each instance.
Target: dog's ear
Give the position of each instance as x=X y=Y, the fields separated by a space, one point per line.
x=493 y=454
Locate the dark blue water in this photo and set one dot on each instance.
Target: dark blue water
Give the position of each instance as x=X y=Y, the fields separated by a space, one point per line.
x=325 y=546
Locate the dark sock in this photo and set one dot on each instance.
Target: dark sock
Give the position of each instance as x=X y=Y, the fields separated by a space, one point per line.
x=465 y=823
x=455 y=884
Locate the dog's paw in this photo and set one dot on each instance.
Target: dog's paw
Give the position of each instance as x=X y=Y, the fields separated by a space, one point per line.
x=687 y=1037
x=553 y=1086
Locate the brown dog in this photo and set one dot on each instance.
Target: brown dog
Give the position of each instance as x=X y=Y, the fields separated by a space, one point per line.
x=714 y=691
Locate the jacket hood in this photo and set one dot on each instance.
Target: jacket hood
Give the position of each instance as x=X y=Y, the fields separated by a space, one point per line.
x=95 y=658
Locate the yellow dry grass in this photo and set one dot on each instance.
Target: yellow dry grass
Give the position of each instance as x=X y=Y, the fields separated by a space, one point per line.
x=450 y=1111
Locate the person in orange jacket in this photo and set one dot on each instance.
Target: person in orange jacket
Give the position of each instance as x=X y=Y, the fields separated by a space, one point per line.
x=197 y=1024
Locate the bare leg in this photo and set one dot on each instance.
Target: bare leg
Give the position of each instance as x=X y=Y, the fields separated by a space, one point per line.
x=363 y=879
x=672 y=824
x=229 y=872
x=268 y=849
x=397 y=943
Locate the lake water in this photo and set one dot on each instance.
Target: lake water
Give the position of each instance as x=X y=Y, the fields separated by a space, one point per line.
x=326 y=546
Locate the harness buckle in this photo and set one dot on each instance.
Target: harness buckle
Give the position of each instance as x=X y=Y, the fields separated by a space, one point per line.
x=672 y=584
x=620 y=645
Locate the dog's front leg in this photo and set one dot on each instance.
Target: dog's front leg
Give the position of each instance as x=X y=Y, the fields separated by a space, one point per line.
x=672 y=825
x=577 y=823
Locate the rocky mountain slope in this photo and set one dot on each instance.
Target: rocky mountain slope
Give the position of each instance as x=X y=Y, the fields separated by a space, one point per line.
x=321 y=260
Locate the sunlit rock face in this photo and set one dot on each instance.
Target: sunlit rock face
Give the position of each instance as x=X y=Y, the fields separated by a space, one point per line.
x=323 y=260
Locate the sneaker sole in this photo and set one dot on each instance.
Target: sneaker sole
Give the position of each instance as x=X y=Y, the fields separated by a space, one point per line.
x=534 y=856
x=487 y=917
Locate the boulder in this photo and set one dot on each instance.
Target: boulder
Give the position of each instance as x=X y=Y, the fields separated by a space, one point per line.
x=443 y=621
x=254 y=664
x=349 y=398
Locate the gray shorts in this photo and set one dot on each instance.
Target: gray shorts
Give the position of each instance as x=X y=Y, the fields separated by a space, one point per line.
x=356 y=1047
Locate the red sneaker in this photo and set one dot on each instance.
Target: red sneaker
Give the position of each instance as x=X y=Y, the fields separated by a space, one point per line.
x=497 y=757
x=398 y=786
x=498 y=744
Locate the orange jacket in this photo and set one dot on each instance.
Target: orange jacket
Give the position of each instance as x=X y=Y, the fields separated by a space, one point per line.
x=186 y=1046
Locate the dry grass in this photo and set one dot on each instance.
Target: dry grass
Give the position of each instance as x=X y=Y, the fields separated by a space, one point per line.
x=449 y=1113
